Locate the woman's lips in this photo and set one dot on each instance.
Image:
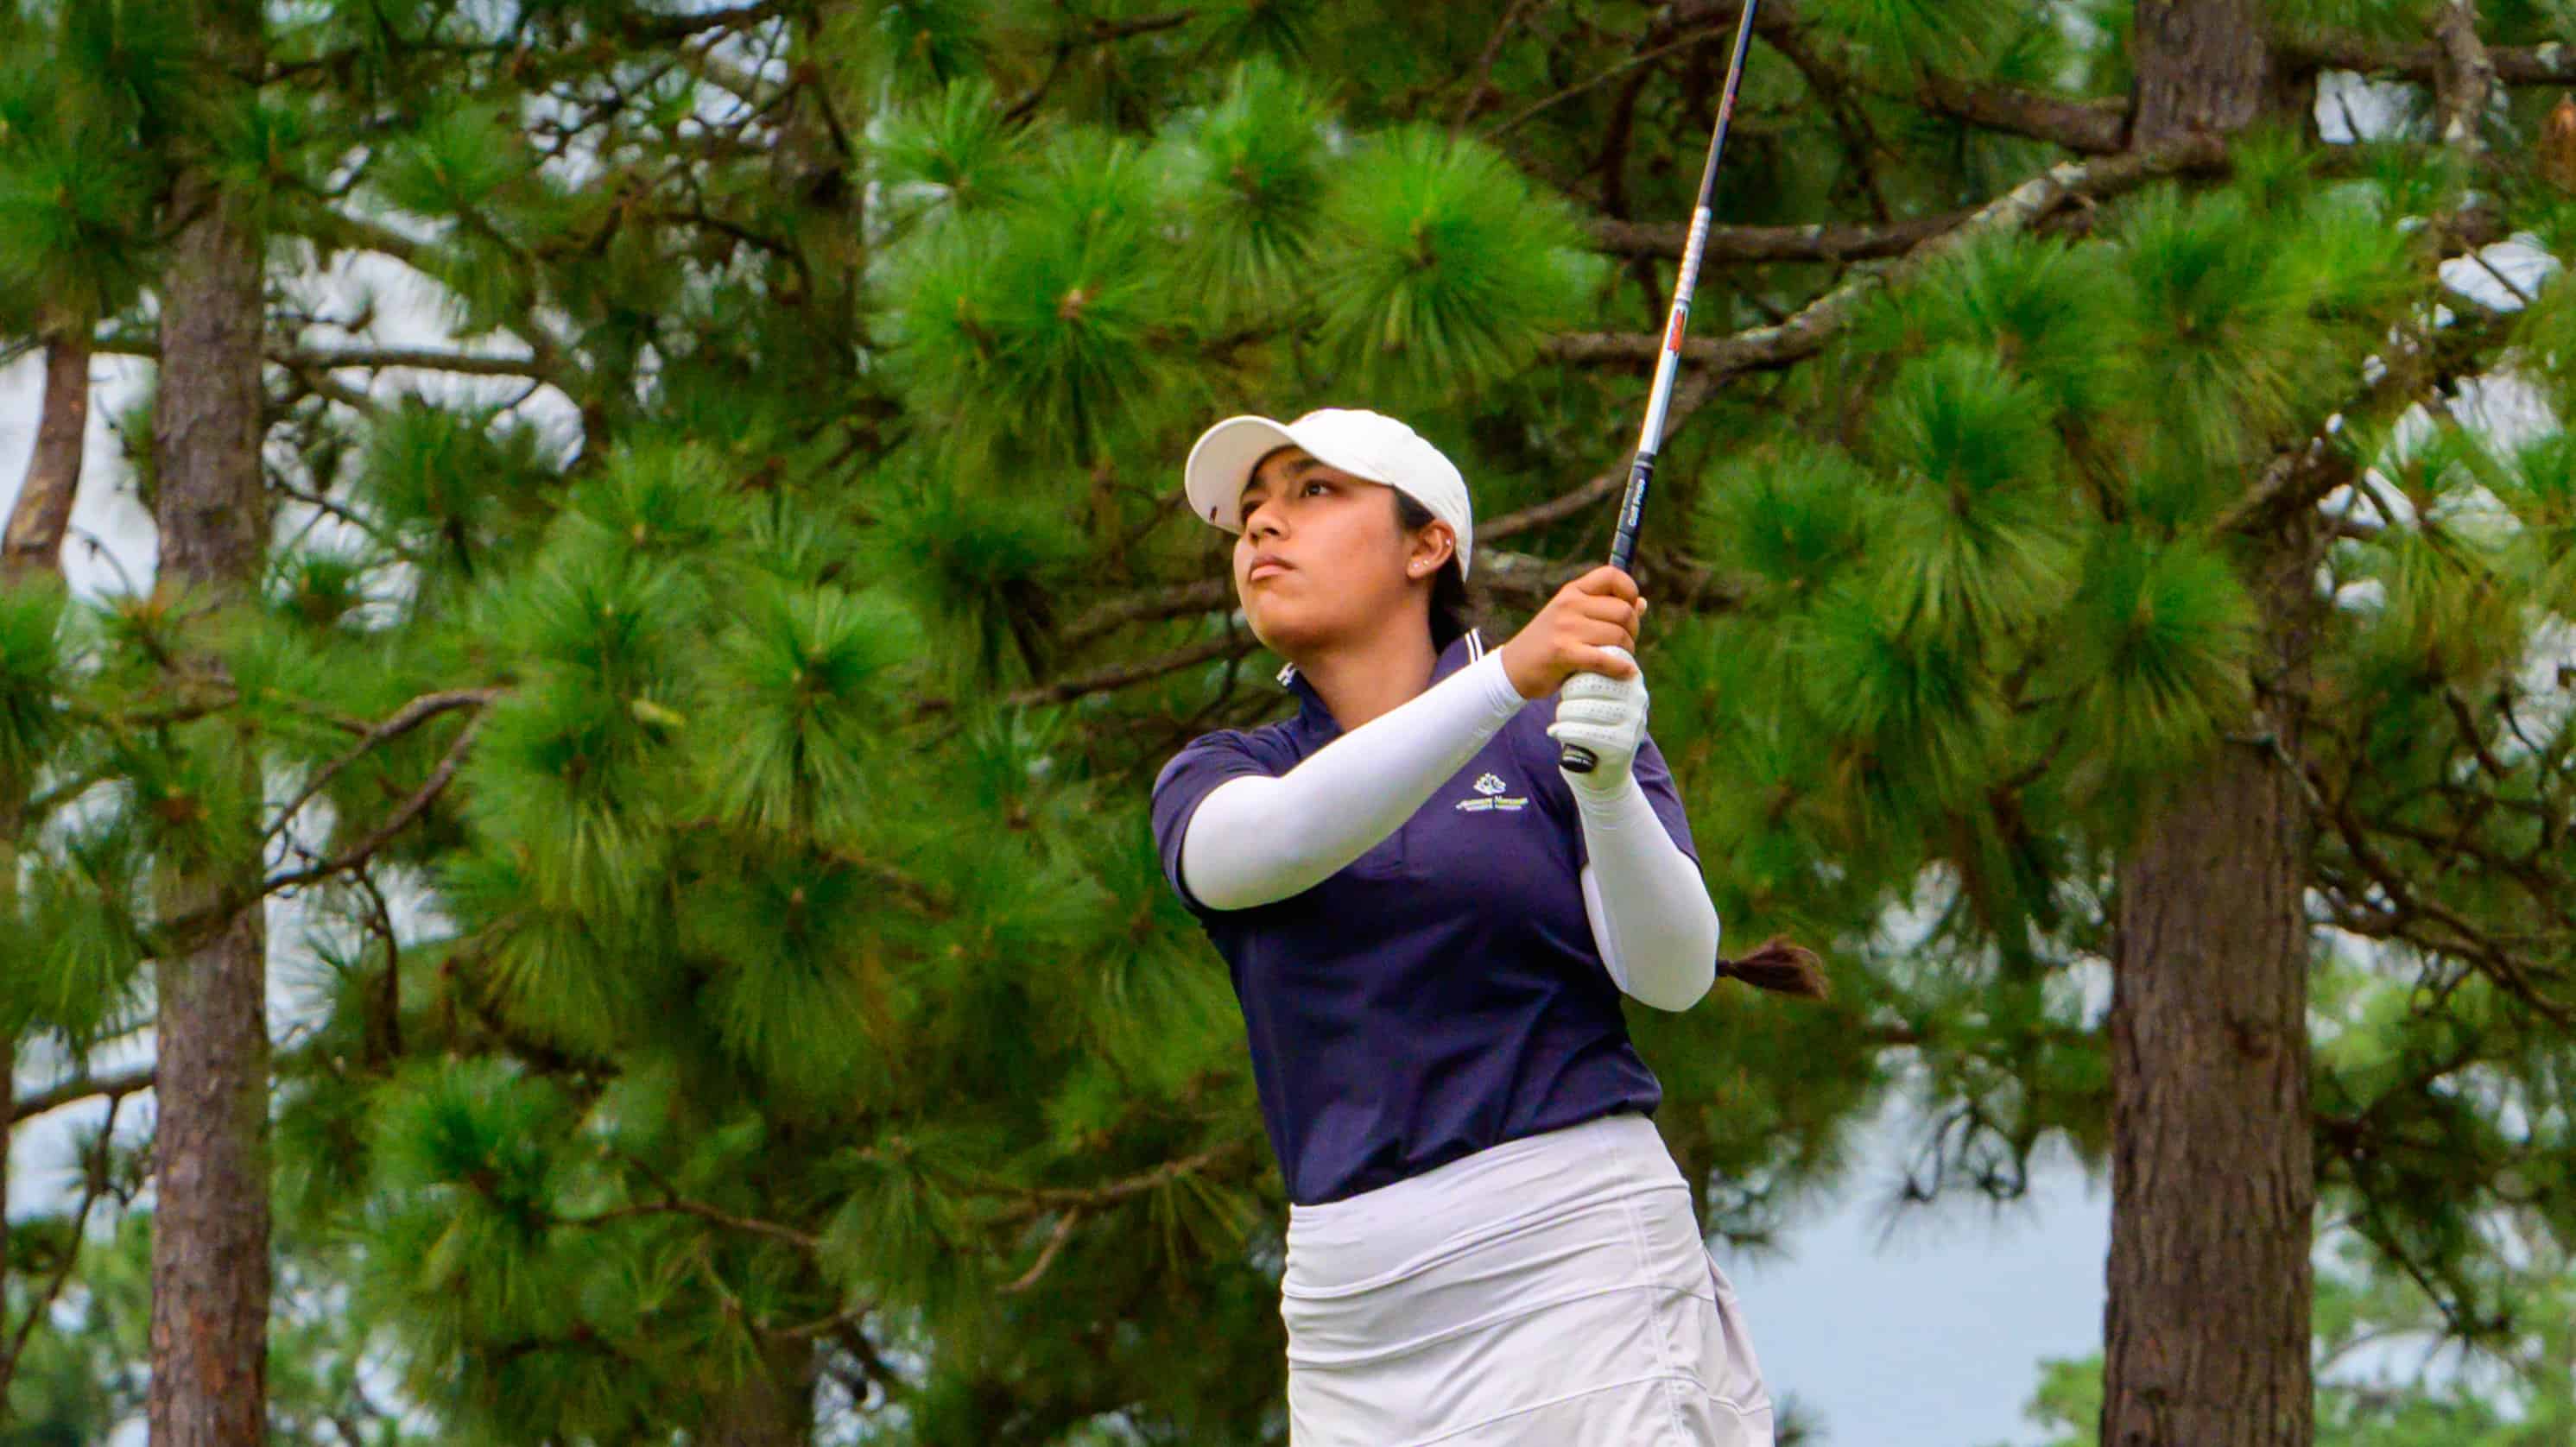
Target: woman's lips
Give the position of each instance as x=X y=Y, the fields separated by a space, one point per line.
x=1266 y=568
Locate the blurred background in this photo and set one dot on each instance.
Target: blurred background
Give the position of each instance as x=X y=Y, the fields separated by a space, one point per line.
x=594 y=590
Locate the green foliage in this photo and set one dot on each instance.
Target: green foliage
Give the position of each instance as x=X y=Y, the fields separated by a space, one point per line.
x=1981 y=548
x=1450 y=269
x=1039 y=313
x=128 y=69
x=67 y=226
x=908 y=46
x=31 y=668
x=1253 y=175
x=950 y=149
x=458 y=161
x=745 y=695
x=2159 y=650
x=1795 y=521
x=75 y=190
x=1906 y=37
x=77 y=912
x=797 y=692
x=969 y=560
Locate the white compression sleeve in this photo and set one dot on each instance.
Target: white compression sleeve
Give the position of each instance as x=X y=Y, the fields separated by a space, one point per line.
x=1651 y=915
x=1256 y=840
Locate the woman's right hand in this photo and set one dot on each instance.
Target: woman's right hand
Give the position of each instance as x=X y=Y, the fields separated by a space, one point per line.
x=1575 y=632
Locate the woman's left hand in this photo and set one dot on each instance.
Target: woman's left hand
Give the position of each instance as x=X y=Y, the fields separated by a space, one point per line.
x=1607 y=716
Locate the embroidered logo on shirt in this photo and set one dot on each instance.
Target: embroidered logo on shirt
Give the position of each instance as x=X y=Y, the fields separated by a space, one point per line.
x=1492 y=787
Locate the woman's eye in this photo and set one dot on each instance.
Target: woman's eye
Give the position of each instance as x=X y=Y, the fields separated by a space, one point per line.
x=1317 y=486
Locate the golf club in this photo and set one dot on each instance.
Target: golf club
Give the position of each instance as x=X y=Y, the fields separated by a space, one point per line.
x=1641 y=474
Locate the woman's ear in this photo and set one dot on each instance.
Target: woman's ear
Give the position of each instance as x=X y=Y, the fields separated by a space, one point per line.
x=1432 y=546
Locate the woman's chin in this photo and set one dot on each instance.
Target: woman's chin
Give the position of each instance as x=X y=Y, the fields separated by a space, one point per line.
x=1289 y=636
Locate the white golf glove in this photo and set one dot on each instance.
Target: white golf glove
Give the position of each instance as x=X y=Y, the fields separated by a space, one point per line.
x=1606 y=715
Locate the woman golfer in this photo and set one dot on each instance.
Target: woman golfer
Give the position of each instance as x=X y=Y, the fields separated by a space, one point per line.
x=1429 y=926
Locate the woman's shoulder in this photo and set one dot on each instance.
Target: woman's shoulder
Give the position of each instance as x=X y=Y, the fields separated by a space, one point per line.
x=1266 y=747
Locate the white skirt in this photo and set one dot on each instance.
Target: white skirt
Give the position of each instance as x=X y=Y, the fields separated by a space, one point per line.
x=1548 y=1292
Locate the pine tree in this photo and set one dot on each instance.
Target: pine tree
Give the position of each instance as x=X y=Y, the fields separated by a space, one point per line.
x=210 y=1256
x=704 y=699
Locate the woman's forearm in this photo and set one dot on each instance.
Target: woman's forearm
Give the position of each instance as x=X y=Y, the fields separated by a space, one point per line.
x=1650 y=911
x=1254 y=841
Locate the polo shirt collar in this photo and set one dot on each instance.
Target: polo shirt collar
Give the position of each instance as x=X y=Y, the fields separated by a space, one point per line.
x=1462 y=650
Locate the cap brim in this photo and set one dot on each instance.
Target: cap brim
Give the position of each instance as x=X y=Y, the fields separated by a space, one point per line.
x=1221 y=464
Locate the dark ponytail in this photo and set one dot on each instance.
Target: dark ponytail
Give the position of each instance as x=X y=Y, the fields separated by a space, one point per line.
x=1782 y=966
x=1453 y=612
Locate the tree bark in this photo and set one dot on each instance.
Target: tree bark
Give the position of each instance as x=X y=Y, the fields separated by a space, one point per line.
x=2213 y=1184
x=2202 y=65
x=43 y=511
x=210 y=1263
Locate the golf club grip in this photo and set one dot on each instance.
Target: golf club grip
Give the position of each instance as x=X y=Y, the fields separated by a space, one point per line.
x=1632 y=512
x=1575 y=758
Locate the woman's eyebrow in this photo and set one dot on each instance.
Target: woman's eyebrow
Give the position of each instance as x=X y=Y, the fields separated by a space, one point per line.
x=1294 y=469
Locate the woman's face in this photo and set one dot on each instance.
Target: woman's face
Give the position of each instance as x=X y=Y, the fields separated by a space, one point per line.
x=1321 y=556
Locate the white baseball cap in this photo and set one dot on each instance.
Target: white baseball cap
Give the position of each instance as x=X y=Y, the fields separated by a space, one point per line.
x=1367 y=445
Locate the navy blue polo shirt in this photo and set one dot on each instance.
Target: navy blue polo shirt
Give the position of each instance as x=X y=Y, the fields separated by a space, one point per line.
x=1442 y=993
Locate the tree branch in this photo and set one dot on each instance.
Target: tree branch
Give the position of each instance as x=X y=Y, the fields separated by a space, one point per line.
x=302 y=359
x=675 y=1206
x=401 y=819
x=1127 y=675
x=94 y=1184
x=666 y=28
x=1689 y=396
x=1064 y=1228
x=1036 y=1200
x=2550 y=64
x=2086 y=127
x=1096 y=32
x=2094 y=127
x=1822 y=241
x=1801 y=336
x=410 y=716
x=1806 y=333
x=419 y=358
x=1483 y=85
x=73 y=1092
x=1176 y=601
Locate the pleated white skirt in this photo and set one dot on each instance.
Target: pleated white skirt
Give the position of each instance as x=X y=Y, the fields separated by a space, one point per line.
x=1549 y=1292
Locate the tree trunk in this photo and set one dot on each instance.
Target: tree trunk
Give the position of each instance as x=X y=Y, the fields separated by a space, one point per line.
x=43 y=511
x=2203 y=66
x=210 y=1264
x=2213 y=1184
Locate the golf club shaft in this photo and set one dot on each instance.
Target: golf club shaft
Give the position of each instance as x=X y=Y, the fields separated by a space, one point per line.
x=1650 y=439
